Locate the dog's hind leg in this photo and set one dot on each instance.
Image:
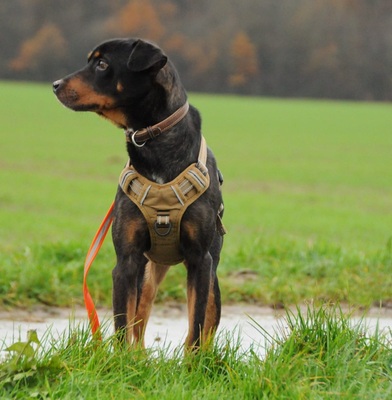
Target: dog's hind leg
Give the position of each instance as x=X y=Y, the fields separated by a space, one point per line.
x=148 y=287
x=198 y=284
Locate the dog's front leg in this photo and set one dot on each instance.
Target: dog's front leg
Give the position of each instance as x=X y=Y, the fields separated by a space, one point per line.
x=198 y=287
x=125 y=292
x=147 y=291
x=213 y=311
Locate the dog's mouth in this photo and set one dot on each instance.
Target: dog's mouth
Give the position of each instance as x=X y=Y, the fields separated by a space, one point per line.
x=86 y=102
x=79 y=96
x=102 y=105
x=70 y=99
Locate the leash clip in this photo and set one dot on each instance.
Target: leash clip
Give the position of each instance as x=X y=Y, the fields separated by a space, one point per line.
x=162 y=229
x=162 y=225
x=134 y=141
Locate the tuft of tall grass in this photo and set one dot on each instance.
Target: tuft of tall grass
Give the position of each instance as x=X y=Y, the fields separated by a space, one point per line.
x=318 y=354
x=321 y=354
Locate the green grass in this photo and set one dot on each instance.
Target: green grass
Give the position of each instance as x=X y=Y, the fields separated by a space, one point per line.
x=308 y=188
x=319 y=354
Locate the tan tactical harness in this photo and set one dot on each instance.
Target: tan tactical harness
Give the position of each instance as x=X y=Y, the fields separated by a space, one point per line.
x=164 y=205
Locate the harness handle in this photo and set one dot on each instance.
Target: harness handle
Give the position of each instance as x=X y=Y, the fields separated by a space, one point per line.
x=91 y=254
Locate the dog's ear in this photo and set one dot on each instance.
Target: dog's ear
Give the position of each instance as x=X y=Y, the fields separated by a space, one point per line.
x=145 y=56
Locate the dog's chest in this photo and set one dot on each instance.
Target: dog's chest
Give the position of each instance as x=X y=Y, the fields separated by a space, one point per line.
x=158 y=179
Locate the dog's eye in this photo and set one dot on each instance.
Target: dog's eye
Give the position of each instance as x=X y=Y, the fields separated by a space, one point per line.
x=102 y=65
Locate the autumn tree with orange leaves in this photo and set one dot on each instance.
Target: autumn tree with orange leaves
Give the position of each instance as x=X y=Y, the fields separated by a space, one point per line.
x=244 y=60
x=137 y=18
x=46 y=44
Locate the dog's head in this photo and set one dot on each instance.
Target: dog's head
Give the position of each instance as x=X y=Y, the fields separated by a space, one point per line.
x=118 y=74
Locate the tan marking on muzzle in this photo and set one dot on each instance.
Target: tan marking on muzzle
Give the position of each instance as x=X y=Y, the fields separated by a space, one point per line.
x=77 y=93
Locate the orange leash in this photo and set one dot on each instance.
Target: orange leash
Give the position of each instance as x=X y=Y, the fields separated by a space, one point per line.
x=91 y=254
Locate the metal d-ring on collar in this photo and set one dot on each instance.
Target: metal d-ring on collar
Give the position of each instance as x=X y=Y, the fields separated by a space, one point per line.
x=152 y=132
x=134 y=141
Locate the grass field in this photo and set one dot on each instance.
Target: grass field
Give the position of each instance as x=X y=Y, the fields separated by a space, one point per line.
x=308 y=189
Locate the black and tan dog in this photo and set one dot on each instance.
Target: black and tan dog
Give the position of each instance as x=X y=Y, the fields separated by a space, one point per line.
x=133 y=84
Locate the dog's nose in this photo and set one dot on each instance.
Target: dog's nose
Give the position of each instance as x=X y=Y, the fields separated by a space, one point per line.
x=56 y=85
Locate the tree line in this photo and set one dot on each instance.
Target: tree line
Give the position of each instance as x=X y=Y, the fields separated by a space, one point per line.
x=289 y=48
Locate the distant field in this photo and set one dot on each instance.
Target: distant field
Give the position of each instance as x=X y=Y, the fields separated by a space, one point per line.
x=308 y=195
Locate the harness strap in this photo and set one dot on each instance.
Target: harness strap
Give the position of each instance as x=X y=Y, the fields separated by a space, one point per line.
x=91 y=254
x=202 y=158
x=129 y=179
